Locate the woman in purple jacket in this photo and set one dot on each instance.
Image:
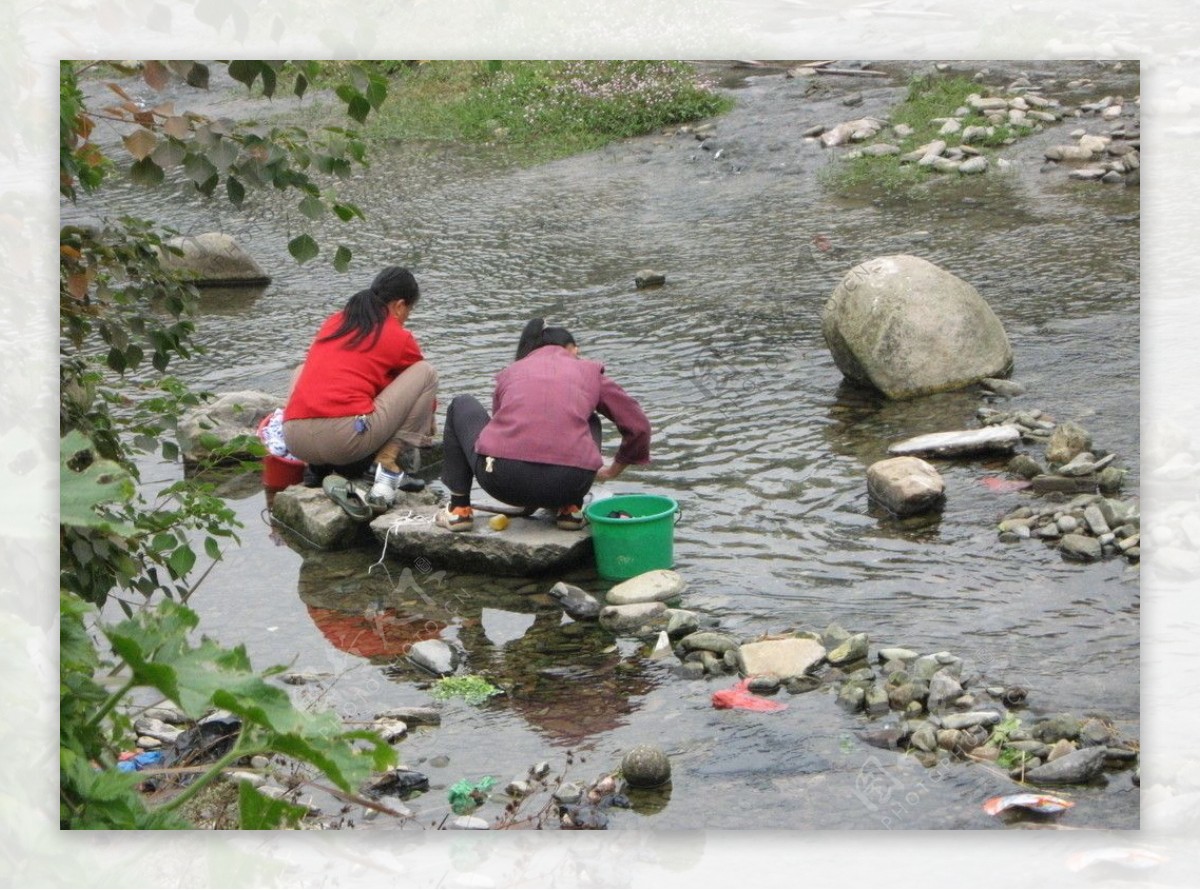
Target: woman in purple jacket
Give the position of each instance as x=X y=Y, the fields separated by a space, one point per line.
x=541 y=445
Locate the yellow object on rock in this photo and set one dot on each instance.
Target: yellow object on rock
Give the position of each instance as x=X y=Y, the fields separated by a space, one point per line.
x=499 y=523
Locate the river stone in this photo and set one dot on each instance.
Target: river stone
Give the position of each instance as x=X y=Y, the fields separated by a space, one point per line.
x=801 y=685
x=781 y=658
x=530 y=546
x=1094 y=518
x=895 y=653
x=977 y=164
x=956 y=443
x=1001 y=387
x=764 y=684
x=1095 y=732
x=710 y=641
x=213 y=259
x=853 y=649
x=436 y=656
x=712 y=663
x=312 y=515
x=649 y=278
x=633 y=617
x=909 y=328
x=1082 y=548
x=876 y=701
x=1059 y=749
x=1062 y=726
x=906 y=486
x=645 y=766
x=924 y=738
x=656 y=586
x=834 y=635
x=1067 y=440
x=943 y=690
x=971 y=718
x=851 y=697
x=225 y=418
x=391 y=731
x=414 y=715
x=576 y=601
x=1074 y=768
x=157 y=729
x=681 y=622
x=948 y=739
x=851 y=131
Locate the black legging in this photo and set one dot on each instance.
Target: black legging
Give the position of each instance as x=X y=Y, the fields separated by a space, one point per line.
x=520 y=483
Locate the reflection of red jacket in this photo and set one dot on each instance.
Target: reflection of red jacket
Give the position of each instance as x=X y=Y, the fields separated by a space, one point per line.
x=541 y=407
x=340 y=382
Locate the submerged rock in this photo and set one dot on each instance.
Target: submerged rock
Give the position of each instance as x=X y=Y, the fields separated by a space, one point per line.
x=576 y=601
x=436 y=656
x=709 y=640
x=853 y=649
x=632 y=618
x=222 y=420
x=212 y=259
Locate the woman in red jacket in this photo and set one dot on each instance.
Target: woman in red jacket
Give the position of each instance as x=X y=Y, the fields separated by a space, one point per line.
x=541 y=445
x=365 y=389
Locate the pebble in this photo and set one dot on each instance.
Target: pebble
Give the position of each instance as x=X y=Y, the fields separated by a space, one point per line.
x=576 y=601
x=655 y=586
x=645 y=766
x=470 y=823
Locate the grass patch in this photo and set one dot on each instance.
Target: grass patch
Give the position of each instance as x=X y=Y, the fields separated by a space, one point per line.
x=472 y=688
x=544 y=110
x=929 y=98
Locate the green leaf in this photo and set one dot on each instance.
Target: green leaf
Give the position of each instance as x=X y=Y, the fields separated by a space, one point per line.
x=116 y=360
x=303 y=248
x=301 y=85
x=181 y=561
x=146 y=172
x=235 y=190
x=359 y=108
x=377 y=91
x=100 y=482
x=312 y=207
x=199 y=168
x=268 y=79
x=212 y=548
x=245 y=71
x=347 y=212
x=170 y=450
x=341 y=259
x=257 y=812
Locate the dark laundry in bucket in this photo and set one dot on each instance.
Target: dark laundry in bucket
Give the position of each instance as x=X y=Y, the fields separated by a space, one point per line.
x=620 y=514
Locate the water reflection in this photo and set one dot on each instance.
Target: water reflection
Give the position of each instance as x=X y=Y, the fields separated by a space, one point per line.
x=566 y=680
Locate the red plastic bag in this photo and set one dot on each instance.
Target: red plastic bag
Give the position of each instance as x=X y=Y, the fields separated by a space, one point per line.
x=740 y=696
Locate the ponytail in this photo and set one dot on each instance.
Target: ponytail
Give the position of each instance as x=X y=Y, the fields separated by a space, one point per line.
x=366 y=311
x=536 y=335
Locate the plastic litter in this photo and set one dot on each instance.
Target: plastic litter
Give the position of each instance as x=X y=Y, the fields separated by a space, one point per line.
x=1038 y=803
x=135 y=761
x=739 y=696
x=467 y=796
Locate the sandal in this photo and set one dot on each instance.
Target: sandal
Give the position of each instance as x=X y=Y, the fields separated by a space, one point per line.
x=343 y=493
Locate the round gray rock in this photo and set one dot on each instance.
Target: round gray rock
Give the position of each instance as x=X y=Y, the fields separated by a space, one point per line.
x=909 y=328
x=645 y=767
x=213 y=258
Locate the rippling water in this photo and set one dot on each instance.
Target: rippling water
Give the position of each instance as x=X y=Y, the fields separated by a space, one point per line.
x=755 y=437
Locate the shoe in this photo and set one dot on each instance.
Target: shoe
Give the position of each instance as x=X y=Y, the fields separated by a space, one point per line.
x=456 y=519
x=570 y=519
x=383 y=491
x=343 y=493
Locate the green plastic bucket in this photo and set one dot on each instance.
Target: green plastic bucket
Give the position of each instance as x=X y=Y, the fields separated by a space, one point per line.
x=644 y=541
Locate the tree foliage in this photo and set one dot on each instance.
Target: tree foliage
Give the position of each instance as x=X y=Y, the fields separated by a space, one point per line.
x=123 y=318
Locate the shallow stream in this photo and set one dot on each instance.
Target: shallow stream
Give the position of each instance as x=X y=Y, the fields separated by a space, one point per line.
x=755 y=436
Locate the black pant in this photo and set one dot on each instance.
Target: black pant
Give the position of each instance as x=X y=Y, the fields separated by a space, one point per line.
x=520 y=483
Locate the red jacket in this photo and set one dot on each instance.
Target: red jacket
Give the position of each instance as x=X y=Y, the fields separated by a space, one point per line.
x=340 y=382
x=541 y=407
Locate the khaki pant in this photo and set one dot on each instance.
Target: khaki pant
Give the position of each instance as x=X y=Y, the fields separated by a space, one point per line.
x=403 y=414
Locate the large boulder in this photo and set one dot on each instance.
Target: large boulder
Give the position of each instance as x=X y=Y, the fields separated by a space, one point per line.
x=222 y=420
x=909 y=328
x=317 y=520
x=528 y=546
x=213 y=259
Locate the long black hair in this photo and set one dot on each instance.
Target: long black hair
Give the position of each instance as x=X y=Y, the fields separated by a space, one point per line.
x=536 y=335
x=366 y=311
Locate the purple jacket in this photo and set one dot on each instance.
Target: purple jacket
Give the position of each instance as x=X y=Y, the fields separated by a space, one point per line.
x=541 y=407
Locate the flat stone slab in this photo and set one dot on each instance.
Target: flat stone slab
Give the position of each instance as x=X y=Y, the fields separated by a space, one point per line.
x=960 y=442
x=783 y=658
x=313 y=517
x=528 y=546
